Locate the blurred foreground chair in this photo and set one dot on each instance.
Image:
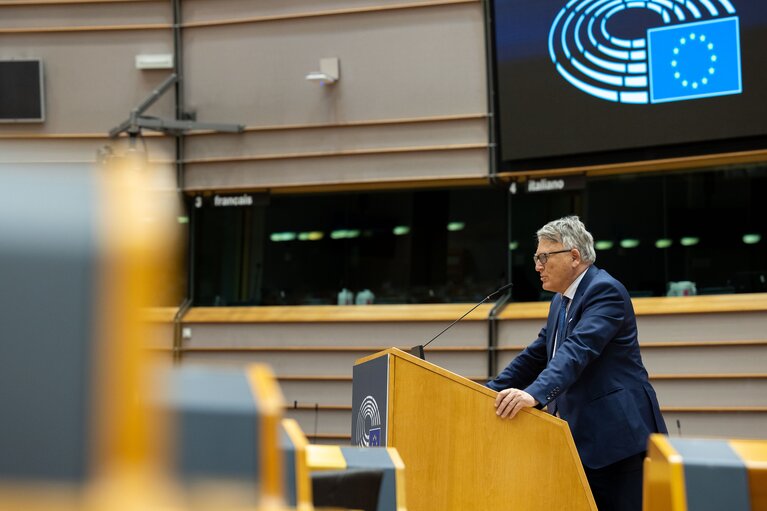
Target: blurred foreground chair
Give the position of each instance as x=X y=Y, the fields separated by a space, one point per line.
x=369 y=478
x=224 y=430
x=78 y=256
x=77 y=264
x=682 y=474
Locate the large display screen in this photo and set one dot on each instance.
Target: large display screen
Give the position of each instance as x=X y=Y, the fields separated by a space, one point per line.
x=581 y=79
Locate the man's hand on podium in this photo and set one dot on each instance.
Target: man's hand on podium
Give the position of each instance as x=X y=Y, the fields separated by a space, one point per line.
x=510 y=401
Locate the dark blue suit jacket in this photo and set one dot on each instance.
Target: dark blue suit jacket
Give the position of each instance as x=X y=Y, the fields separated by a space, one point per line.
x=597 y=375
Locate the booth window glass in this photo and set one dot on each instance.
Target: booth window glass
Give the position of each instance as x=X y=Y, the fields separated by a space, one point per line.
x=421 y=246
x=659 y=234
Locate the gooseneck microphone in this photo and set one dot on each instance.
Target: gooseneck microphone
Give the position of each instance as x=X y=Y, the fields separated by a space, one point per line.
x=418 y=350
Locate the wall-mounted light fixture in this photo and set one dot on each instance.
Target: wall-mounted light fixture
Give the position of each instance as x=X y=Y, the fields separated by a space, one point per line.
x=328 y=73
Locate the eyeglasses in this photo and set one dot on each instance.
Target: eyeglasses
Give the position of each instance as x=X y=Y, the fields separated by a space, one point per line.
x=543 y=257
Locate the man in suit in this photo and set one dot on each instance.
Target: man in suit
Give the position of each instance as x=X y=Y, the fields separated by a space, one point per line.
x=585 y=367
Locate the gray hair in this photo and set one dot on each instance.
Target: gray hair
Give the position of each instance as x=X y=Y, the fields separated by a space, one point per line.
x=570 y=232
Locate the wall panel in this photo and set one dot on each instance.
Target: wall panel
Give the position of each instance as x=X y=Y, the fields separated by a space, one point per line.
x=383 y=335
x=44 y=149
x=703 y=327
x=337 y=169
x=713 y=424
x=334 y=138
x=414 y=63
x=201 y=11
x=712 y=392
x=91 y=83
x=85 y=14
x=394 y=64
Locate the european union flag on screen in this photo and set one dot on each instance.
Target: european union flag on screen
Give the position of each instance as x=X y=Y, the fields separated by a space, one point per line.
x=694 y=60
x=375 y=437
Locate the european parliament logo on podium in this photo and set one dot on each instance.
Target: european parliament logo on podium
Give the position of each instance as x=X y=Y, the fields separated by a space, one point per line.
x=370 y=398
x=374 y=437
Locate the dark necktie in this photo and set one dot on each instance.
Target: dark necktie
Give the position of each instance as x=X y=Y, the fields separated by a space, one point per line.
x=561 y=324
x=560 y=337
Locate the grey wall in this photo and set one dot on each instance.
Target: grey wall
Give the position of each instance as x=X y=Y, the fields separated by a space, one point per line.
x=425 y=64
x=91 y=82
x=412 y=87
x=705 y=367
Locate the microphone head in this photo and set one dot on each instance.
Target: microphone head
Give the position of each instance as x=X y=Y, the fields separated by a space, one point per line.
x=420 y=348
x=499 y=290
x=417 y=351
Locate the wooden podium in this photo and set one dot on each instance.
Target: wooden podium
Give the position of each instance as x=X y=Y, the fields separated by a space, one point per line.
x=458 y=454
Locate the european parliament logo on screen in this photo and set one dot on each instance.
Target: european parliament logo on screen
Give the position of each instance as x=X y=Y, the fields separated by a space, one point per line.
x=694 y=53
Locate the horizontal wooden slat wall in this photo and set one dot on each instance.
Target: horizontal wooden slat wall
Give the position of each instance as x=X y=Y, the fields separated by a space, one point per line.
x=313 y=349
x=336 y=170
x=308 y=141
x=88 y=49
x=700 y=391
x=70 y=15
x=206 y=12
x=333 y=314
x=91 y=81
x=59 y=149
x=411 y=102
x=706 y=358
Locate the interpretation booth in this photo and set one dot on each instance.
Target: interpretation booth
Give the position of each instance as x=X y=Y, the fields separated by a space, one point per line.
x=459 y=455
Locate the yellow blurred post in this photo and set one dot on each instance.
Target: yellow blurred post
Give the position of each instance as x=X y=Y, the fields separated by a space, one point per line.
x=271 y=404
x=300 y=445
x=81 y=267
x=663 y=488
x=136 y=234
x=754 y=455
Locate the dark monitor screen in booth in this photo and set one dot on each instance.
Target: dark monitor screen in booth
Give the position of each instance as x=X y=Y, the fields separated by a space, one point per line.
x=21 y=91
x=582 y=81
